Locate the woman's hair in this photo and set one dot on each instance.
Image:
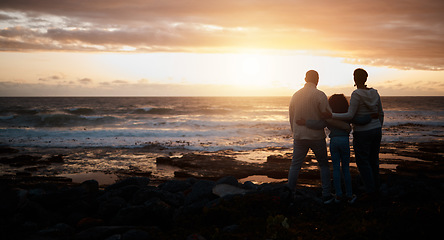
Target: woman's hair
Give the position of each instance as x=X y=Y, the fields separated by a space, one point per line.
x=338 y=103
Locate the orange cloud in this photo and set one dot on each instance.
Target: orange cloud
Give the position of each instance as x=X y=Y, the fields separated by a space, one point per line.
x=401 y=34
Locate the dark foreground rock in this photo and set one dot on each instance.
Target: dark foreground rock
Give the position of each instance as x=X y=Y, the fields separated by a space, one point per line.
x=407 y=207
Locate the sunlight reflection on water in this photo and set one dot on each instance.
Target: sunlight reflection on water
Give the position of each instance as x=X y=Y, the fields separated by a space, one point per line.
x=259 y=179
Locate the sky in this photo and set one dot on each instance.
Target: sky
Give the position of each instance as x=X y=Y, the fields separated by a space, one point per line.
x=219 y=48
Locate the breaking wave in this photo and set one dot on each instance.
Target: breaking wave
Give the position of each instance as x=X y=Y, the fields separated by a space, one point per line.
x=55 y=120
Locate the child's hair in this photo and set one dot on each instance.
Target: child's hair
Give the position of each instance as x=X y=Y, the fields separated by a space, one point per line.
x=338 y=103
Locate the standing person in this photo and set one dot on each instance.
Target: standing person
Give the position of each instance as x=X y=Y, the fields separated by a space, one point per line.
x=339 y=144
x=366 y=138
x=309 y=103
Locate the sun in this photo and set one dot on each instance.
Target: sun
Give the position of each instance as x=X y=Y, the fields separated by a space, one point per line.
x=252 y=70
x=250 y=66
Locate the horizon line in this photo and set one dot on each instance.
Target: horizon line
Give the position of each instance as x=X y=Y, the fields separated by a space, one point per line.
x=160 y=96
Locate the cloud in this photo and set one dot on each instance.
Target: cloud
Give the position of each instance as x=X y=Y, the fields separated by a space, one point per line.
x=120 y=82
x=52 y=78
x=405 y=34
x=85 y=81
x=133 y=89
x=4 y=17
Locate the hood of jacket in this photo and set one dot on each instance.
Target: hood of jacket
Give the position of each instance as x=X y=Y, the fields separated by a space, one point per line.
x=370 y=97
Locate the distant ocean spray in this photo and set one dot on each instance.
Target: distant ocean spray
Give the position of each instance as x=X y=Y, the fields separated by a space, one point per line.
x=195 y=123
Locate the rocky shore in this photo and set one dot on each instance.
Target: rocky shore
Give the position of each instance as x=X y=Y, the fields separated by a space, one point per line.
x=209 y=198
x=407 y=207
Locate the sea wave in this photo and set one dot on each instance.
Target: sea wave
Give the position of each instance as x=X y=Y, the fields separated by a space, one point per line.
x=204 y=140
x=6 y=117
x=198 y=123
x=81 y=111
x=19 y=111
x=55 y=120
x=150 y=110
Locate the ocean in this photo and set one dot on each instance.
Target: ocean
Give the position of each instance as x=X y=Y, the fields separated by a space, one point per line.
x=193 y=123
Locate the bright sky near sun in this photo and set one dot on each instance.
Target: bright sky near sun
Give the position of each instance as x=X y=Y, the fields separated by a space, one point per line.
x=218 y=48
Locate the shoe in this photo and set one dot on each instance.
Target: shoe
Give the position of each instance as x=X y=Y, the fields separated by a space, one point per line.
x=351 y=199
x=338 y=199
x=328 y=199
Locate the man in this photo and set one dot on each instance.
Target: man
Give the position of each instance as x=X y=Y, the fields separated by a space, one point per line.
x=309 y=103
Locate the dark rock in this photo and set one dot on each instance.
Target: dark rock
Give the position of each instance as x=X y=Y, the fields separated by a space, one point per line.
x=126 y=192
x=114 y=237
x=147 y=193
x=56 y=159
x=231 y=228
x=21 y=160
x=32 y=181
x=209 y=166
x=154 y=212
x=424 y=168
x=8 y=150
x=135 y=234
x=195 y=236
x=23 y=174
x=164 y=160
x=90 y=186
x=433 y=147
x=279 y=158
x=100 y=232
x=174 y=199
x=89 y=222
x=230 y=180
x=160 y=212
x=137 y=181
x=30 y=226
x=144 y=194
x=32 y=169
x=184 y=174
x=201 y=189
x=69 y=200
x=248 y=185
x=192 y=180
x=32 y=211
x=223 y=190
x=111 y=206
x=73 y=218
x=58 y=230
x=175 y=186
x=196 y=206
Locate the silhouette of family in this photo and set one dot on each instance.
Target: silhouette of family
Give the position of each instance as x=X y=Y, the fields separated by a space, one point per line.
x=310 y=112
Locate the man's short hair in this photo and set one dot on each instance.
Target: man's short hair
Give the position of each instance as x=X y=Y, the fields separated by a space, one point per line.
x=312 y=76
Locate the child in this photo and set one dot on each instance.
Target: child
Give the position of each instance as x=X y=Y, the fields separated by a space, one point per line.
x=339 y=144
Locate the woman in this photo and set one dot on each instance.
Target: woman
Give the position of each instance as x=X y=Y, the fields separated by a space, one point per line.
x=366 y=138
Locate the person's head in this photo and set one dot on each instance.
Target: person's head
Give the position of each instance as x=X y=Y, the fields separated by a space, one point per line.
x=338 y=103
x=360 y=76
x=312 y=76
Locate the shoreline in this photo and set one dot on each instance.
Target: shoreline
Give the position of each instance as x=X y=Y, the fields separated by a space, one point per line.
x=160 y=164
